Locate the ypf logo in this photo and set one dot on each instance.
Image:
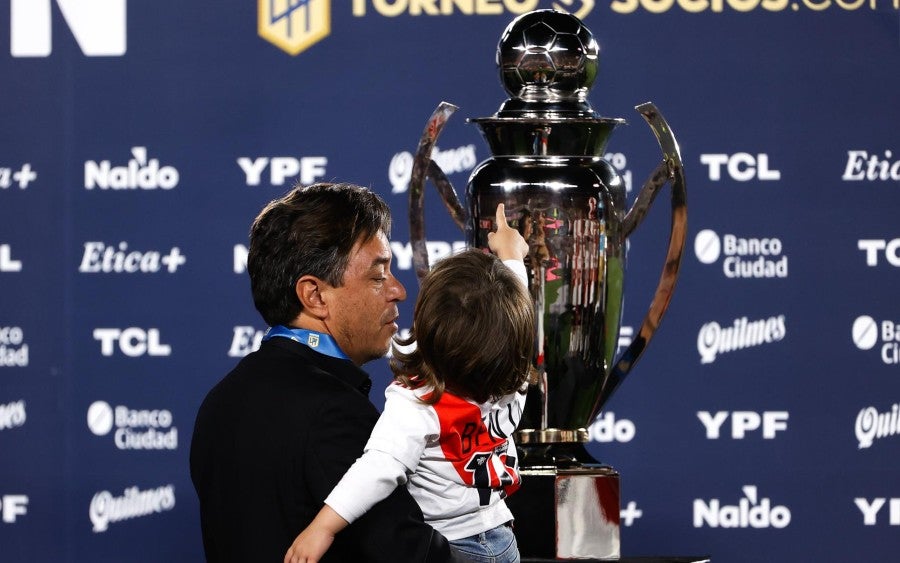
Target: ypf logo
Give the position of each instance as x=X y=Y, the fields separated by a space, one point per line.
x=294 y=25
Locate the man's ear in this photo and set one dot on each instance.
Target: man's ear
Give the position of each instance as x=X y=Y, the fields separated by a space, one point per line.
x=309 y=291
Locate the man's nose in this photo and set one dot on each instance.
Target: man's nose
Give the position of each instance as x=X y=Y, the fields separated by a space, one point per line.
x=398 y=290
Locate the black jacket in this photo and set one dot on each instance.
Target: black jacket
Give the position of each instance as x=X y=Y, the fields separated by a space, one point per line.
x=270 y=442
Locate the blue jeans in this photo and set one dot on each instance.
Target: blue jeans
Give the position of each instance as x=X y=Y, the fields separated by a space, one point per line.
x=497 y=545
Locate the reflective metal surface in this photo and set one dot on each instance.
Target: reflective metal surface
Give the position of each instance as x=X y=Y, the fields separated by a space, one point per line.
x=570 y=205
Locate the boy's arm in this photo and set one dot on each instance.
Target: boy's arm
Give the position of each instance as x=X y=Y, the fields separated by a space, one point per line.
x=370 y=480
x=314 y=541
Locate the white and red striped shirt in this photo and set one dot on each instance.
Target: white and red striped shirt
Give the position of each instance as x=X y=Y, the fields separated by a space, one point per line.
x=456 y=456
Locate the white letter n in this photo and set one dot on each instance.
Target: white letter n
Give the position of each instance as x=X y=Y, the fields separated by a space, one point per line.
x=98 y=26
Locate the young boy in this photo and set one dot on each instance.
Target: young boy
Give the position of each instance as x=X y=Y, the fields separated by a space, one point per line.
x=449 y=415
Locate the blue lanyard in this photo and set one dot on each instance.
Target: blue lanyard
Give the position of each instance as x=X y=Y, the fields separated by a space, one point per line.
x=321 y=343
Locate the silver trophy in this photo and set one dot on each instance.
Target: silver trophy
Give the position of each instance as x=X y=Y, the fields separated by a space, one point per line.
x=570 y=205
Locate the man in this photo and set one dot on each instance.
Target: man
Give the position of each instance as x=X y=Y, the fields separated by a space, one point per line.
x=277 y=433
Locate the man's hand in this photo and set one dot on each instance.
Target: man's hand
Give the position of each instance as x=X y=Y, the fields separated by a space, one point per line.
x=506 y=242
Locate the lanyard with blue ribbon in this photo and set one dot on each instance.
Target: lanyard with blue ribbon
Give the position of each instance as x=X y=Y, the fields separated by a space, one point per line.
x=321 y=343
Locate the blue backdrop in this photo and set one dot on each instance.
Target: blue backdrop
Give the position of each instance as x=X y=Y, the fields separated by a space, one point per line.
x=140 y=139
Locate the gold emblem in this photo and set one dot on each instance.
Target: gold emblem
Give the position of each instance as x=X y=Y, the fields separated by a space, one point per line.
x=294 y=25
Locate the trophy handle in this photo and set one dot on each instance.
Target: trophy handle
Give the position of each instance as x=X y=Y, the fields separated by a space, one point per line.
x=670 y=170
x=424 y=166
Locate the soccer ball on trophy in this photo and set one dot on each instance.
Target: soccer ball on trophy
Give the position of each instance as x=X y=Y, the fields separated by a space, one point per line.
x=546 y=56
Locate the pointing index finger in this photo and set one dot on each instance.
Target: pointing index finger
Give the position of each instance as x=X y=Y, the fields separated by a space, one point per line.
x=500 y=219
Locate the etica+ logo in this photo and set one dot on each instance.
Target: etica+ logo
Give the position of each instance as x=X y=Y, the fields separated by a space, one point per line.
x=872 y=167
x=293 y=25
x=245 y=339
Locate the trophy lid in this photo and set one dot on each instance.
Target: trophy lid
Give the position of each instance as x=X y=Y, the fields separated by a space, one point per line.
x=548 y=61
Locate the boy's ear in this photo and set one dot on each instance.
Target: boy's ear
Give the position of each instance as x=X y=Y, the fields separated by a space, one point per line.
x=309 y=291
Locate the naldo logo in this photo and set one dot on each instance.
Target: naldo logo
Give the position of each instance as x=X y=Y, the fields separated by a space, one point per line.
x=749 y=512
x=742 y=257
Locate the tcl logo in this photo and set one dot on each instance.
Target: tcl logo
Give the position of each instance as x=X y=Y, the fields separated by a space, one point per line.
x=874 y=248
x=132 y=342
x=741 y=167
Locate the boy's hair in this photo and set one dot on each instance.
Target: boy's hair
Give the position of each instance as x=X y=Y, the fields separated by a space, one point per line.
x=309 y=231
x=473 y=326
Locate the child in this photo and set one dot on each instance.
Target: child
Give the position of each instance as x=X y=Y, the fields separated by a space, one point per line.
x=450 y=413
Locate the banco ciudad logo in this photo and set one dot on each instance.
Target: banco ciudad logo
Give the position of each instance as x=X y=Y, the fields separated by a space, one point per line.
x=294 y=25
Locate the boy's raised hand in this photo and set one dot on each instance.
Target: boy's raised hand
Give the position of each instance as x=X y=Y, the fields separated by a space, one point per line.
x=506 y=242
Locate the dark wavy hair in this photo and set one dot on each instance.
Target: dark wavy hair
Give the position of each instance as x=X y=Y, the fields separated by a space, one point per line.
x=473 y=326
x=309 y=231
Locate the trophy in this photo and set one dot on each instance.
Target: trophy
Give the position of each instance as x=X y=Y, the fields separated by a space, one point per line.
x=570 y=205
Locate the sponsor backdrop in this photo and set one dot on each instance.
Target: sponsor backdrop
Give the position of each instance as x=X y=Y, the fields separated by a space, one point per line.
x=140 y=139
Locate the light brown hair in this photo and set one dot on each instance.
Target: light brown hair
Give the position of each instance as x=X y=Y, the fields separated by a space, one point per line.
x=473 y=326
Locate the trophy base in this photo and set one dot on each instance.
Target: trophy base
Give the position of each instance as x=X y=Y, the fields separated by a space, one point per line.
x=567 y=512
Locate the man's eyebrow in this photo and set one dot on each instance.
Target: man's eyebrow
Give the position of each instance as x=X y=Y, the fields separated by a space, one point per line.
x=380 y=261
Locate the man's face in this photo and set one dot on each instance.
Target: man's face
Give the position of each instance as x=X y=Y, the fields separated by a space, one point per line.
x=363 y=311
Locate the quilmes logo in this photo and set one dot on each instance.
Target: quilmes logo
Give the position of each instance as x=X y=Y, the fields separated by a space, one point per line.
x=872 y=425
x=450 y=161
x=714 y=339
x=294 y=25
x=12 y=415
x=106 y=509
x=750 y=512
